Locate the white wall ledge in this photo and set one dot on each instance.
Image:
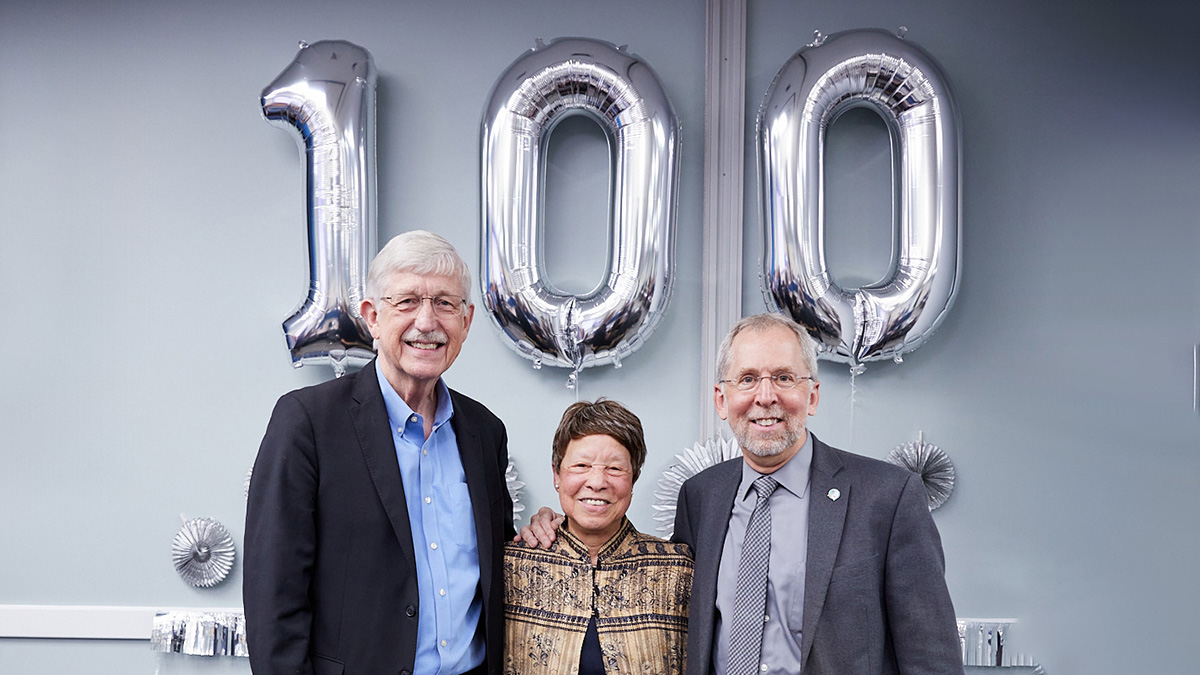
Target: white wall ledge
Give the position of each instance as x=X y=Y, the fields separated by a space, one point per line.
x=85 y=622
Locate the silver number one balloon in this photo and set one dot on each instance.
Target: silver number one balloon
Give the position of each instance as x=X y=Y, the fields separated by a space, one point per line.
x=327 y=94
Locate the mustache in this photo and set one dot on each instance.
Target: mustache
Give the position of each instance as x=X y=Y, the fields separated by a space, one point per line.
x=772 y=411
x=414 y=335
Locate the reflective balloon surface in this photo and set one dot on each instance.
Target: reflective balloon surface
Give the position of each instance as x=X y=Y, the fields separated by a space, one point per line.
x=898 y=80
x=618 y=90
x=327 y=95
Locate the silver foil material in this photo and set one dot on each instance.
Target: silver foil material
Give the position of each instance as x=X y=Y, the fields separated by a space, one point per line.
x=217 y=633
x=202 y=552
x=327 y=95
x=688 y=463
x=514 y=489
x=931 y=463
x=618 y=90
x=901 y=82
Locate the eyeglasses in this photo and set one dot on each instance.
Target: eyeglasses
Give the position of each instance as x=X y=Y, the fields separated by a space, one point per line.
x=783 y=381
x=611 y=470
x=444 y=305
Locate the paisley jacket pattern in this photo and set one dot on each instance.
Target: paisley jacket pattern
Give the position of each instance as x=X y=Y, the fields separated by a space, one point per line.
x=638 y=592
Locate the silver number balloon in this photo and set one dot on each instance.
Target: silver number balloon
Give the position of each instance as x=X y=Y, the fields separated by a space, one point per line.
x=327 y=94
x=572 y=76
x=861 y=68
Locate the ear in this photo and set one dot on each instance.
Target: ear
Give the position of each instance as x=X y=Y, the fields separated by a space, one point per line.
x=370 y=314
x=719 y=402
x=814 y=397
x=467 y=319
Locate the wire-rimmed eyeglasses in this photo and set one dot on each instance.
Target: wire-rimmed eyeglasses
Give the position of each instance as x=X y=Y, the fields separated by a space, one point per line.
x=748 y=382
x=445 y=305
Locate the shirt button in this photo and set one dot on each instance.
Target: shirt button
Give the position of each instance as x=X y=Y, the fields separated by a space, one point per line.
x=433 y=546
x=763 y=667
x=424 y=452
x=443 y=591
x=766 y=618
x=427 y=500
x=413 y=418
x=443 y=643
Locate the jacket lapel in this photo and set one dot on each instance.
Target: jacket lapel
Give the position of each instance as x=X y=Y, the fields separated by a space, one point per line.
x=711 y=526
x=716 y=512
x=826 y=516
x=369 y=415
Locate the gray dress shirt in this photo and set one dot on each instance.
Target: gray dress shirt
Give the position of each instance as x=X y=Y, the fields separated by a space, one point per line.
x=785 y=581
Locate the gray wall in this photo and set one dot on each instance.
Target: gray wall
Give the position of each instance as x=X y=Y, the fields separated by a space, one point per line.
x=153 y=240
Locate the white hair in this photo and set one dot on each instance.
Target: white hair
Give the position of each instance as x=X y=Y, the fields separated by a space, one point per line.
x=417 y=252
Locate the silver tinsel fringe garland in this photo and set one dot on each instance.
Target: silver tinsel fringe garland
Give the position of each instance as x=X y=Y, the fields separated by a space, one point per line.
x=200 y=633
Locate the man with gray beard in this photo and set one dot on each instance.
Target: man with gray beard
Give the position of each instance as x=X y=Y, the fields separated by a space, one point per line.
x=808 y=558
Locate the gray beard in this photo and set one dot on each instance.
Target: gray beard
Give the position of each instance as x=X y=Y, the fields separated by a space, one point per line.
x=767 y=448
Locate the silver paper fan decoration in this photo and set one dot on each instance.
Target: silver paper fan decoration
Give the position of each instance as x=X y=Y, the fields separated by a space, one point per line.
x=202 y=552
x=690 y=462
x=931 y=463
x=514 y=490
x=246 y=484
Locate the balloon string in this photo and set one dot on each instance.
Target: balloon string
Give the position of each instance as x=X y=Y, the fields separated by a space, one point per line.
x=853 y=403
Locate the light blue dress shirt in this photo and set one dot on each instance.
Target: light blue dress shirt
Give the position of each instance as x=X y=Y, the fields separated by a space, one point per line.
x=789 y=555
x=443 y=533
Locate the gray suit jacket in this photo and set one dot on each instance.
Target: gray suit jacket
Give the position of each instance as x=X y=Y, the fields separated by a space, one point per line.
x=875 y=597
x=330 y=573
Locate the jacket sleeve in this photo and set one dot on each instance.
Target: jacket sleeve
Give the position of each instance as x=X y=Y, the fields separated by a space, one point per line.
x=921 y=618
x=683 y=522
x=510 y=528
x=280 y=543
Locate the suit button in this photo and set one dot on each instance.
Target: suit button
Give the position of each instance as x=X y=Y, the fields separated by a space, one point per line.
x=410 y=611
x=405 y=672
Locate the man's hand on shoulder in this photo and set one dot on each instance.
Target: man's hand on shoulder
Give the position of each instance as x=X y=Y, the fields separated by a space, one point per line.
x=539 y=533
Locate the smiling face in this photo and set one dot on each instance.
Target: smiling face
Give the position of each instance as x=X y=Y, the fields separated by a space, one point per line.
x=416 y=348
x=768 y=422
x=595 y=485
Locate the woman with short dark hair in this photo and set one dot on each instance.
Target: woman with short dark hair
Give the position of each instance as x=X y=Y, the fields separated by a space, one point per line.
x=604 y=598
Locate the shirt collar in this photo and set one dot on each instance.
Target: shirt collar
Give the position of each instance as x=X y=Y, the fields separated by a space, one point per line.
x=399 y=412
x=792 y=476
x=572 y=546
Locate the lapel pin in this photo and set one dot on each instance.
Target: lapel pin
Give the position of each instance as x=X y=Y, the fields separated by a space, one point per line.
x=834 y=494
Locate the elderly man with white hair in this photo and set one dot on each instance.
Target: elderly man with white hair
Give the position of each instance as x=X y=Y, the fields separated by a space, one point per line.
x=378 y=507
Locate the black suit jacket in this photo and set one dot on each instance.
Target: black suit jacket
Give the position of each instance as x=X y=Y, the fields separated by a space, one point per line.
x=875 y=597
x=330 y=579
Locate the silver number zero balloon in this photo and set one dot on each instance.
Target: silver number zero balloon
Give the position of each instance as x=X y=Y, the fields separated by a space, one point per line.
x=327 y=94
x=618 y=90
x=901 y=82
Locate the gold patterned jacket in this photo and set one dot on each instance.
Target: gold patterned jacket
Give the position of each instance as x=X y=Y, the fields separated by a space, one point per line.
x=638 y=590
